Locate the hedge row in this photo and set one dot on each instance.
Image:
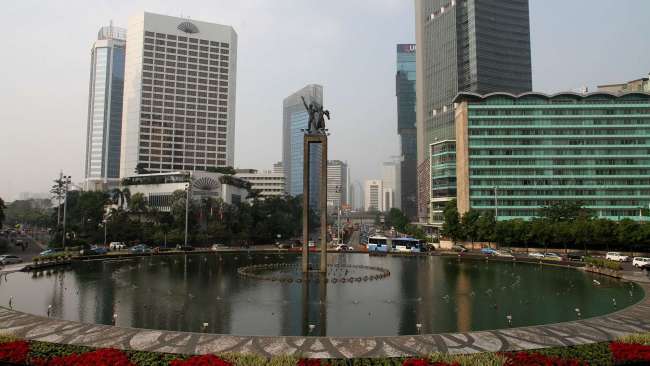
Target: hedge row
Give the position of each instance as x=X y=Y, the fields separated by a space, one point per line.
x=630 y=350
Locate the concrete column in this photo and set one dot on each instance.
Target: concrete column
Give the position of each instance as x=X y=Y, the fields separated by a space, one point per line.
x=305 y=205
x=323 y=205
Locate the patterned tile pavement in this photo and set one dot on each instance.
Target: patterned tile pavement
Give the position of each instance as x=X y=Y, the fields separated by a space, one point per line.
x=633 y=319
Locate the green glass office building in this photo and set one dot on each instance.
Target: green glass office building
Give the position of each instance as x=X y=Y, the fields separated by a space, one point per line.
x=517 y=153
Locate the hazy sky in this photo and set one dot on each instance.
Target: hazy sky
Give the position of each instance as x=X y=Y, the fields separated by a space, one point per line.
x=348 y=46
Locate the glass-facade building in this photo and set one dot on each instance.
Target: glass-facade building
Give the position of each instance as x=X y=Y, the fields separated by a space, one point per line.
x=295 y=122
x=104 y=125
x=405 y=92
x=479 y=46
x=527 y=151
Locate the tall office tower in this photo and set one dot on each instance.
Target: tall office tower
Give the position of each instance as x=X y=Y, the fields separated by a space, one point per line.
x=479 y=46
x=391 y=180
x=373 y=195
x=179 y=95
x=352 y=199
x=405 y=91
x=104 y=132
x=295 y=121
x=337 y=184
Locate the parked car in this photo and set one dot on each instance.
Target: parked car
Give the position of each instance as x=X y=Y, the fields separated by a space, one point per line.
x=488 y=251
x=116 y=245
x=646 y=267
x=94 y=250
x=9 y=259
x=616 y=256
x=504 y=253
x=459 y=248
x=47 y=252
x=552 y=257
x=640 y=261
x=574 y=257
x=536 y=255
x=140 y=248
x=342 y=248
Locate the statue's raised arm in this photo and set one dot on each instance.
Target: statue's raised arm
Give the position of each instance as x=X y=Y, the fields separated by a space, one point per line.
x=304 y=102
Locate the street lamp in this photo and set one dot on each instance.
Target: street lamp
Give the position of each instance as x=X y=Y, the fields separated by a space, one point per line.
x=187 y=207
x=66 y=180
x=105 y=223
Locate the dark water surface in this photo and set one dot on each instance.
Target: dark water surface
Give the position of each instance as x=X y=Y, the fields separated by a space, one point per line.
x=441 y=294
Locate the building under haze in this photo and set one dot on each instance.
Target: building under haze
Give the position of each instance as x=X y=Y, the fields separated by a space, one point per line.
x=373 y=195
x=391 y=184
x=294 y=123
x=337 y=184
x=517 y=153
x=638 y=85
x=104 y=125
x=405 y=92
x=266 y=183
x=479 y=46
x=179 y=95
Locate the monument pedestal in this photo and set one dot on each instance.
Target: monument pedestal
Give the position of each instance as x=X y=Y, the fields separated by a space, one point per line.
x=309 y=139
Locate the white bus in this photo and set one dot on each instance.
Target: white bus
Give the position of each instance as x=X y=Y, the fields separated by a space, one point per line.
x=378 y=244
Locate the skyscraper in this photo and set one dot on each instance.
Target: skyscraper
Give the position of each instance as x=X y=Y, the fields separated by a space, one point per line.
x=477 y=46
x=337 y=184
x=295 y=121
x=391 y=184
x=102 y=164
x=405 y=92
x=179 y=95
x=373 y=195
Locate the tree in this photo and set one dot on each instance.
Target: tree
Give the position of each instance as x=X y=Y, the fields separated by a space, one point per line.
x=469 y=223
x=565 y=211
x=485 y=227
x=2 y=211
x=397 y=219
x=120 y=197
x=452 y=227
x=141 y=168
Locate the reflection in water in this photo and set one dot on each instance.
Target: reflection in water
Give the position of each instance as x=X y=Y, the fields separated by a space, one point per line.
x=186 y=291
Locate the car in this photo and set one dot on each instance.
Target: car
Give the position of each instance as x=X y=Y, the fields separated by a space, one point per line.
x=94 y=250
x=617 y=257
x=552 y=257
x=504 y=253
x=9 y=259
x=116 y=245
x=47 y=252
x=140 y=248
x=459 y=248
x=640 y=261
x=285 y=246
x=216 y=247
x=342 y=248
x=536 y=255
x=185 y=248
x=645 y=267
x=488 y=251
x=574 y=257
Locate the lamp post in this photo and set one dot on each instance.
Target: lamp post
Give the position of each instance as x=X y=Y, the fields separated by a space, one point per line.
x=187 y=207
x=66 y=181
x=105 y=222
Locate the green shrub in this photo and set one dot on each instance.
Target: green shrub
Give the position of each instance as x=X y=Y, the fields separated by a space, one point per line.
x=483 y=359
x=596 y=354
x=603 y=263
x=49 y=350
x=152 y=358
x=286 y=360
x=6 y=338
x=642 y=338
x=238 y=359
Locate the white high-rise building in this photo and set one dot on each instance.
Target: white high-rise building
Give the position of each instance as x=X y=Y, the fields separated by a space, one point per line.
x=373 y=195
x=391 y=194
x=337 y=184
x=179 y=95
x=104 y=131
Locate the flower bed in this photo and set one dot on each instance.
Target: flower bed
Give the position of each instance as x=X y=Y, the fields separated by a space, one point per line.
x=629 y=350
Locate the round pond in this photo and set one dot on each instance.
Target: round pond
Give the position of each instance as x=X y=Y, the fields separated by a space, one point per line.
x=203 y=292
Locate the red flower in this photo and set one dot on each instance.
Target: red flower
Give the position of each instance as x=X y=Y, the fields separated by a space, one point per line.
x=624 y=352
x=424 y=362
x=203 y=360
x=14 y=352
x=101 y=357
x=535 y=359
x=308 y=362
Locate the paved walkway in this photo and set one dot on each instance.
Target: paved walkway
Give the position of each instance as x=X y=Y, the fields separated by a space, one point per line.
x=633 y=319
